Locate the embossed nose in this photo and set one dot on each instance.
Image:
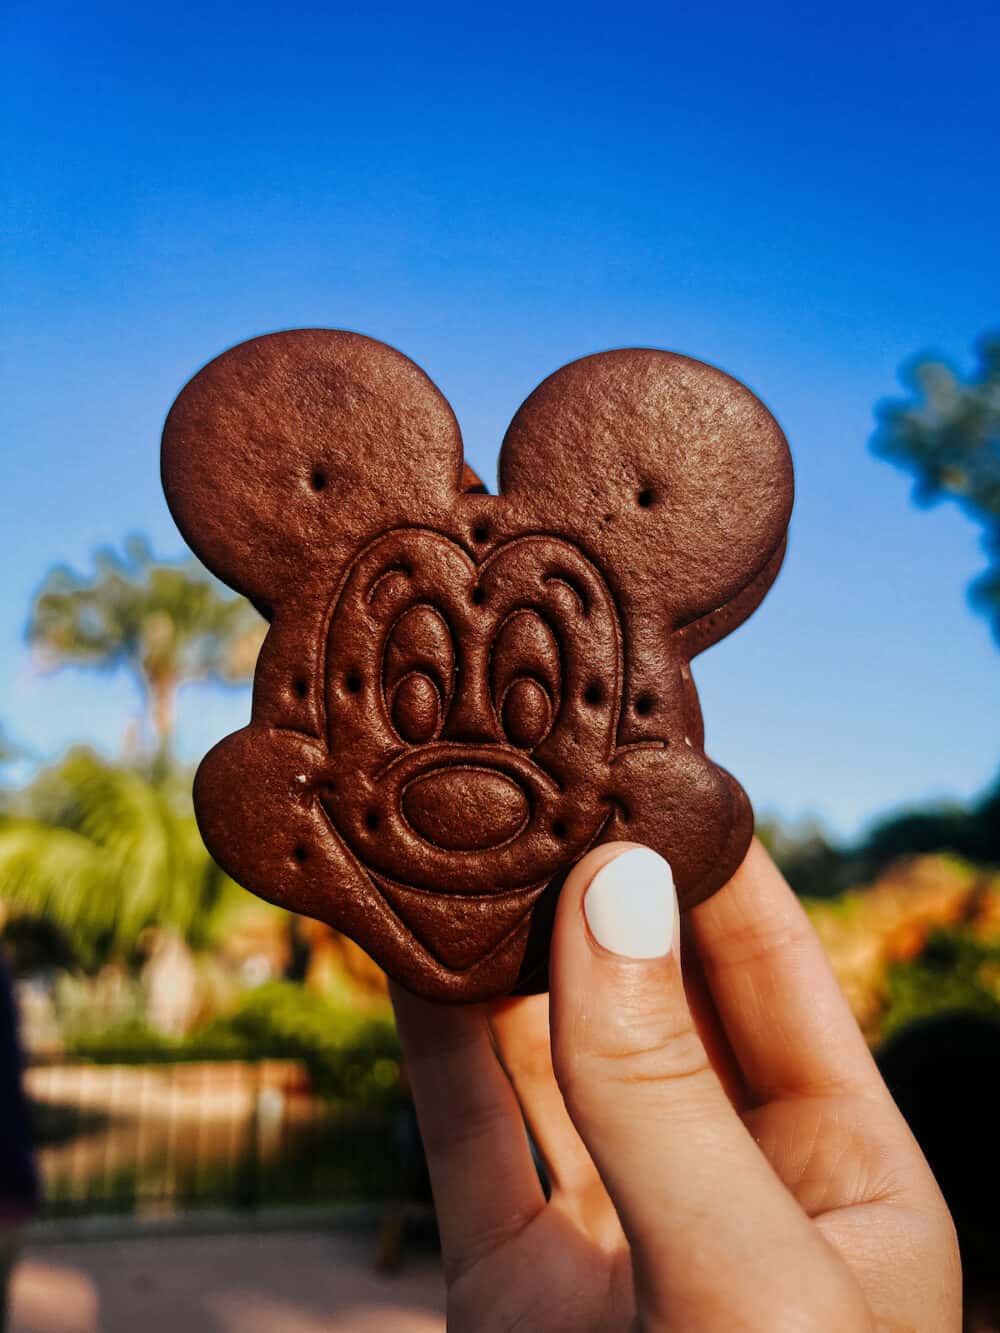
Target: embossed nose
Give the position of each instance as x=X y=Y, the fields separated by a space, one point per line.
x=465 y=809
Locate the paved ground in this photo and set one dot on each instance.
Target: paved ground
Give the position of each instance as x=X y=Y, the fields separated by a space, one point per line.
x=281 y=1283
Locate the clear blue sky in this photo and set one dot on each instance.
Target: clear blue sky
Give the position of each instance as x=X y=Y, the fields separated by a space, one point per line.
x=804 y=198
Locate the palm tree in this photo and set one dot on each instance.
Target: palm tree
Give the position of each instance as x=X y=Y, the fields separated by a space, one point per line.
x=168 y=624
x=102 y=852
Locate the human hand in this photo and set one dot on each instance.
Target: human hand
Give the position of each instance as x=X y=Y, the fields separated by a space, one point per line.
x=723 y=1159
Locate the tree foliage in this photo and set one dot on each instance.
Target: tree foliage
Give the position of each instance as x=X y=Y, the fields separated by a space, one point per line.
x=954 y=972
x=101 y=852
x=946 y=432
x=168 y=624
x=818 y=867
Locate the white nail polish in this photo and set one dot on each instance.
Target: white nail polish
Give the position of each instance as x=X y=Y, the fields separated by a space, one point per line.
x=631 y=905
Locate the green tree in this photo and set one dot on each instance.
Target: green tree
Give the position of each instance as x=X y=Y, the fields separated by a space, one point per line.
x=946 y=432
x=167 y=624
x=100 y=851
x=103 y=850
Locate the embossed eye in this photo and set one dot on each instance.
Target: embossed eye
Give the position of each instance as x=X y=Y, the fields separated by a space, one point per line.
x=526 y=677
x=418 y=669
x=416 y=708
x=526 y=713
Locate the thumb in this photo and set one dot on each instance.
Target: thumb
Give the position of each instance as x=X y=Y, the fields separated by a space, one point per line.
x=700 y=1205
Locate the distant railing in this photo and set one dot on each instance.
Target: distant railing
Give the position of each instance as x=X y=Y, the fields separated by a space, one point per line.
x=163 y=1137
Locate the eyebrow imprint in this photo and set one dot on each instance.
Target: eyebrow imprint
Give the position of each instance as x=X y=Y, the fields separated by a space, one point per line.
x=573 y=586
x=404 y=570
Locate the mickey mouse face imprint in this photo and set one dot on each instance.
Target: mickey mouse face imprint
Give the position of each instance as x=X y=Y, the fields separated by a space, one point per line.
x=476 y=761
x=460 y=694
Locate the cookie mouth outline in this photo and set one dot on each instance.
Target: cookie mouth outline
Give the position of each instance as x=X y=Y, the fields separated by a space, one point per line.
x=544 y=796
x=539 y=789
x=401 y=899
x=505 y=898
x=407 y=902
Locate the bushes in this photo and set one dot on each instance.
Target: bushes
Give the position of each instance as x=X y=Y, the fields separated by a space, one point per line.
x=130 y=1043
x=352 y=1059
x=954 y=972
x=817 y=867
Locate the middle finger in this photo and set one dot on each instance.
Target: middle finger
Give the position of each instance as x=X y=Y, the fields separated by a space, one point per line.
x=486 y=1188
x=520 y=1028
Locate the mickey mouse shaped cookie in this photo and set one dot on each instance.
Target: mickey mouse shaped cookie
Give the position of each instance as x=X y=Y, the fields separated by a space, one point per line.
x=461 y=693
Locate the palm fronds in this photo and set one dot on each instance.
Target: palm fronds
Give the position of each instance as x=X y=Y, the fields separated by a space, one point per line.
x=103 y=852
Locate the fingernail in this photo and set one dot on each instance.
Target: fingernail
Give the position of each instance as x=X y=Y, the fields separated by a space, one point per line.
x=630 y=905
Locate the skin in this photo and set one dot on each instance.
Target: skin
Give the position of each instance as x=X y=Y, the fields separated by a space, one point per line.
x=723 y=1154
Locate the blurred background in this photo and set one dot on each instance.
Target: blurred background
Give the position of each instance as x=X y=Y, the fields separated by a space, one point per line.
x=808 y=200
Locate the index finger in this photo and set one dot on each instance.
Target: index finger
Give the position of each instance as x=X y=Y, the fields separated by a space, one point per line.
x=779 y=1003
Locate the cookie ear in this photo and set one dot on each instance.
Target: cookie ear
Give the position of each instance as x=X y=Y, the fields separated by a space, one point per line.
x=294 y=448
x=671 y=471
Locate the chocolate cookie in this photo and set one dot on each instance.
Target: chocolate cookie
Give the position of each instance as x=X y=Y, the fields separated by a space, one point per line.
x=460 y=693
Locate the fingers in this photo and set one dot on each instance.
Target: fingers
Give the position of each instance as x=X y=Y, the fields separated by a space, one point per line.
x=486 y=1188
x=695 y=1196
x=779 y=1004
x=521 y=1031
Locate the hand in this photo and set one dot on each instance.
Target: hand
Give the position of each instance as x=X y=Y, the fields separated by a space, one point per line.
x=727 y=1159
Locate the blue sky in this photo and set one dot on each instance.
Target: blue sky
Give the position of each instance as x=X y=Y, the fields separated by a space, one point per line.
x=804 y=199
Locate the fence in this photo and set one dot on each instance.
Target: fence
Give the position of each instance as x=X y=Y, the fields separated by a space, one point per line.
x=158 y=1138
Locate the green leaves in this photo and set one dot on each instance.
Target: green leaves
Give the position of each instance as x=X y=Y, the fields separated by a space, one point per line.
x=168 y=624
x=56 y=874
x=100 y=850
x=351 y=1057
x=103 y=852
x=947 y=434
x=954 y=973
